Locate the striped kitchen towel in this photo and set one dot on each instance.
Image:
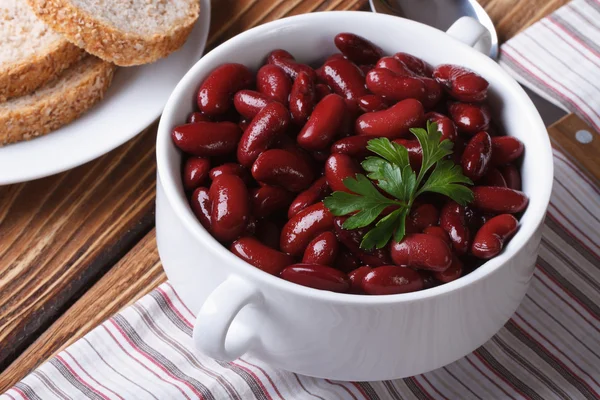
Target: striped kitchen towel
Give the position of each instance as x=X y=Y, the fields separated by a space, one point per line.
x=559 y=59
x=550 y=349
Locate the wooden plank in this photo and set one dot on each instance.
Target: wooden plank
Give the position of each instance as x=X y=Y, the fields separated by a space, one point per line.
x=60 y=233
x=135 y=275
x=512 y=16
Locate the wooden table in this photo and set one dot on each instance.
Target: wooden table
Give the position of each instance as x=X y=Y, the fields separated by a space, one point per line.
x=78 y=246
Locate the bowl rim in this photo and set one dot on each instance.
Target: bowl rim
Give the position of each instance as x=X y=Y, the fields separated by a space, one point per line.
x=177 y=199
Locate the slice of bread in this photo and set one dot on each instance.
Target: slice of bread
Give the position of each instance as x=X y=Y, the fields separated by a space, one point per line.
x=31 y=54
x=56 y=103
x=124 y=32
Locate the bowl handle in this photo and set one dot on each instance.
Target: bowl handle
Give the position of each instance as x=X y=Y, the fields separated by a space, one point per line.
x=469 y=31
x=211 y=331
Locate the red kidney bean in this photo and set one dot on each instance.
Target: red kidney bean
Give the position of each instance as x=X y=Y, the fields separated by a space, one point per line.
x=197 y=117
x=453 y=272
x=353 y=146
x=321 y=90
x=304 y=227
x=267 y=125
x=499 y=200
x=423 y=216
x=215 y=95
x=229 y=207
x=415 y=64
x=415 y=153
x=371 y=103
x=283 y=168
x=470 y=118
x=316 y=192
x=394 y=65
x=321 y=250
x=302 y=98
x=511 y=176
x=288 y=63
x=352 y=239
x=439 y=232
x=461 y=83
x=274 y=83
x=433 y=93
x=493 y=178
x=201 y=206
x=285 y=142
x=334 y=56
x=392 y=279
x=205 y=139
x=444 y=124
x=344 y=77
x=260 y=255
x=317 y=277
x=231 y=169
x=477 y=155
x=323 y=124
x=490 y=238
x=453 y=219
x=339 y=167
x=248 y=103
x=267 y=200
x=418 y=250
x=346 y=261
x=357 y=49
x=195 y=172
x=393 y=87
x=392 y=123
x=506 y=149
x=356 y=277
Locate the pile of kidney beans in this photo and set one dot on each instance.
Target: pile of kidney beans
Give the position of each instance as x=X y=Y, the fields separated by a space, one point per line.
x=264 y=149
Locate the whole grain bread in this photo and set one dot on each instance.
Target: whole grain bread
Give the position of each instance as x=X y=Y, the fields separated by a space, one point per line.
x=31 y=54
x=124 y=32
x=57 y=103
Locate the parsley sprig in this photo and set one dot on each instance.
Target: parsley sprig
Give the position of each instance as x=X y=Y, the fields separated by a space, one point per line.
x=392 y=173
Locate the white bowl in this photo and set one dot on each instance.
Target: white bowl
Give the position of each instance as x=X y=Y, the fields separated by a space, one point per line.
x=242 y=310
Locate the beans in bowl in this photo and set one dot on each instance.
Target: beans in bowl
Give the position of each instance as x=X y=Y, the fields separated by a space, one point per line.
x=369 y=174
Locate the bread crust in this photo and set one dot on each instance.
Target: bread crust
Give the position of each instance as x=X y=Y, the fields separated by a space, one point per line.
x=104 y=41
x=22 y=78
x=49 y=113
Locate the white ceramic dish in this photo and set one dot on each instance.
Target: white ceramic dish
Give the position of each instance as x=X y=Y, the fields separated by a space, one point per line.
x=330 y=335
x=134 y=100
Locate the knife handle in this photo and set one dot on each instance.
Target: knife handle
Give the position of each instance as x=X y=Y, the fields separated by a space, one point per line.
x=580 y=142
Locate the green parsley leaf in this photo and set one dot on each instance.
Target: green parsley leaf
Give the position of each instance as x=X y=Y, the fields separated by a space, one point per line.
x=397 y=182
x=368 y=203
x=373 y=166
x=392 y=173
x=433 y=150
x=384 y=229
x=447 y=179
x=390 y=151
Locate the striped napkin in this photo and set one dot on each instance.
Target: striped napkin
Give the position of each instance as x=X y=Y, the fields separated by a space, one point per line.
x=549 y=349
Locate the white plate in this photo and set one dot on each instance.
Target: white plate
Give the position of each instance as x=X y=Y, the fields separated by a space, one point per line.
x=135 y=99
